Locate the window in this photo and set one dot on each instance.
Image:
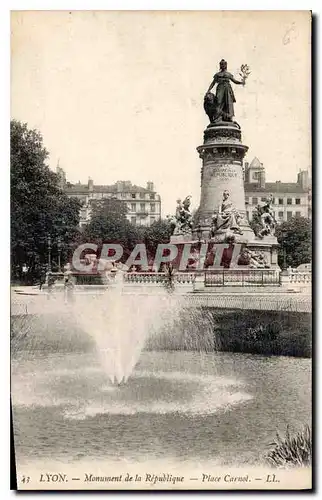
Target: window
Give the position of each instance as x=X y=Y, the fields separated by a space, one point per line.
x=133 y=195
x=123 y=195
x=152 y=219
x=281 y=215
x=246 y=200
x=133 y=207
x=263 y=199
x=280 y=201
x=142 y=195
x=273 y=201
x=152 y=207
x=289 y=201
x=256 y=175
x=247 y=213
x=255 y=201
x=289 y=215
x=142 y=207
x=298 y=201
x=133 y=220
x=297 y=214
x=152 y=196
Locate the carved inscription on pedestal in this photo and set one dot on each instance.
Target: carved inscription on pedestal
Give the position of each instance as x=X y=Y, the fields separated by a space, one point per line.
x=224 y=171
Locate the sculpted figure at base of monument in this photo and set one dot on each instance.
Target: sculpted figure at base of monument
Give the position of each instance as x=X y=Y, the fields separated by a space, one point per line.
x=267 y=218
x=181 y=222
x=255 y=260
x=226 y=219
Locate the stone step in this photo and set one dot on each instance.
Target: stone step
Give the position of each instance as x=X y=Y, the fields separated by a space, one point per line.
x=260 y=290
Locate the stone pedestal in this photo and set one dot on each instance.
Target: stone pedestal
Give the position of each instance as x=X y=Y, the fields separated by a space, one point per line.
x=181 y=238
x=285 y=279
x=222 y=156
x=222 y=211
x=268 y=246
x=199 y=283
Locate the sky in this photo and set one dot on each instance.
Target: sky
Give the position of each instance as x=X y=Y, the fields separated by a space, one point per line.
x=119 y=95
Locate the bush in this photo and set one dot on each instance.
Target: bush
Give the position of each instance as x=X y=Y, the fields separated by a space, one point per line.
x=282 y=333
x=294 y=451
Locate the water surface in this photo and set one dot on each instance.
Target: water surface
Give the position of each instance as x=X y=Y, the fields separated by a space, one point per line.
x=179 y=406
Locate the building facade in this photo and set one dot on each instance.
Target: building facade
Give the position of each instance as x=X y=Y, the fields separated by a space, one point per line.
x=143 y=204
x=290 y=199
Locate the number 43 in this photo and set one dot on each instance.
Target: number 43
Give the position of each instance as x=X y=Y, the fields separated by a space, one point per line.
x=25 y=479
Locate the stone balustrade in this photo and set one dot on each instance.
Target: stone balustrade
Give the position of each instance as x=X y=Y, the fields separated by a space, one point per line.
x=241 y=277
x=300 y=277
x=158 y=278
x=138 y=277
x=222 y=277
x=208 y=278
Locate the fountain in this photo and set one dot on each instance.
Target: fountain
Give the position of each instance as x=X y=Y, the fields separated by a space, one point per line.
x=119 y=323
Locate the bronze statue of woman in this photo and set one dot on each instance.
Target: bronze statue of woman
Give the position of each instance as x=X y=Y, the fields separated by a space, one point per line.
x=220 y=107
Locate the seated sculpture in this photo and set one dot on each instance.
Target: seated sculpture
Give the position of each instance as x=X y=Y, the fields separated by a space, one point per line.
x=227 y=218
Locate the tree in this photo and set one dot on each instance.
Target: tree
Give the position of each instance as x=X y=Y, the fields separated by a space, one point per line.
x=295 y=236
x=109 y=224
x=39 y=207
x=158 y=232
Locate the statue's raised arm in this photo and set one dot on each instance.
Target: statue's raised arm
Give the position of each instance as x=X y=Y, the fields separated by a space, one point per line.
x=237 y=82
x=220 y=107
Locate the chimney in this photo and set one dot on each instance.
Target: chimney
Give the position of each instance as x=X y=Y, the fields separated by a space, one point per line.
x=246 y=171
x=61 y=176
x=262 y=179
x=303 y=179
x=90 y=184
x=119 y=186
x=150 y=186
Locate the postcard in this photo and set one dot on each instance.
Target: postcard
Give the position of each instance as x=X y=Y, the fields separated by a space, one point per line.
x=161 y=250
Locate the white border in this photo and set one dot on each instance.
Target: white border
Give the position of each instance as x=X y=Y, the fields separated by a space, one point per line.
x=5 y=8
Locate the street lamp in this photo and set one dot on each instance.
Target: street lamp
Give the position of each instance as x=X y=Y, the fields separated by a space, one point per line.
x=49 y=252
x=59 y=247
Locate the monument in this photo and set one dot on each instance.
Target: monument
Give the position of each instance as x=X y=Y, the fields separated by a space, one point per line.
x=222 y=217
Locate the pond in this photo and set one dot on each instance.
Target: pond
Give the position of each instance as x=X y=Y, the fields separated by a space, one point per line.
x=178 y=406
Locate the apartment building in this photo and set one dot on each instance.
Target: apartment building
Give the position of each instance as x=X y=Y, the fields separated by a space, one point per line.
x=290 y=199
x=143 y=203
